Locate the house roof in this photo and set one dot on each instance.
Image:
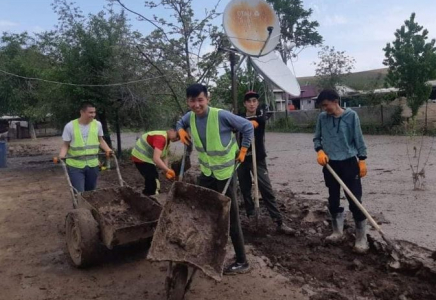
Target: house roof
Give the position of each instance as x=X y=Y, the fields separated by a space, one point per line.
x=307 y=91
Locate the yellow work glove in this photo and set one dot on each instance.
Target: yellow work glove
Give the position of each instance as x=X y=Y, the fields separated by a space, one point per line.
x=242 y=153
x=170 y=174
x=255 y=124
x=184 y=137
x=322 y=159
x=362 y=168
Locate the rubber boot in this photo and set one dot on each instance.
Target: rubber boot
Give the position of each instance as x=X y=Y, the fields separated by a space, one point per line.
x=338 y=228
x=361 y=245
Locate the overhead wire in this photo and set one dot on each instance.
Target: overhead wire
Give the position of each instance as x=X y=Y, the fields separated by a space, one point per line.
x=78 y=84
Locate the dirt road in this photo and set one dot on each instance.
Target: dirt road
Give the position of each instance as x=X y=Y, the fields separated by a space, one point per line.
x=34 y=264
x=33 y=260
x=388 y=188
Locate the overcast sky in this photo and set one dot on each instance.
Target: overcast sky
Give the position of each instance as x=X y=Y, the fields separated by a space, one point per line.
x=359 y=27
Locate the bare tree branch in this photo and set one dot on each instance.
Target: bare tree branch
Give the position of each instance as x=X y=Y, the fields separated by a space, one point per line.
x=164 y=78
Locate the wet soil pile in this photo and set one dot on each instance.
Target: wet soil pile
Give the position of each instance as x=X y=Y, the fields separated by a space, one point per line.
x=122 y=207
x=132 y=177
x=332 y=271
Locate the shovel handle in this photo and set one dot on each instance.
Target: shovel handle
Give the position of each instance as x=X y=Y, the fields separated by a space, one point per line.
x=226 y=187
x=256 y=183
x=182 y=167
x=354 y=199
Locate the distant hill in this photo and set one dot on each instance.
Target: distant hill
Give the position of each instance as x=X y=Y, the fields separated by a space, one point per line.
x=360 y=80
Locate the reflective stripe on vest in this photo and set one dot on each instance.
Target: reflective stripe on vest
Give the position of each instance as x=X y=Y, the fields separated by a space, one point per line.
x=215 y=159
x=143 y=151
x=78 y=147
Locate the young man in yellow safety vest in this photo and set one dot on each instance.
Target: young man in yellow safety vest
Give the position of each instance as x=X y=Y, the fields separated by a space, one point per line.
x=213 y=138
x=151 y=151
x=83 y=138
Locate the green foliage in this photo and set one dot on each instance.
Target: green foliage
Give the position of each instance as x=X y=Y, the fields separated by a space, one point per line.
x=19 y=54
x=287 y=125
x=247 y=80
x=295 y=26
x=333 y=67
x=412 y=62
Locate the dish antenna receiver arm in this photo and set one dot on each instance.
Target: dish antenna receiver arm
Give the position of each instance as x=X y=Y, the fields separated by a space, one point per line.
x=270 y=30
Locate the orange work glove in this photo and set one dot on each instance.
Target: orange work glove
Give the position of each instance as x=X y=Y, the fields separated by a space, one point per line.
x=242 y=153
x=362 y=168
x=170 y=174
x=322 y=159
x=184 y=137
x=255 y=124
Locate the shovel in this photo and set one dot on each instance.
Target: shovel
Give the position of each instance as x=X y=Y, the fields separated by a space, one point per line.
x=392 y=247
x=256 y=184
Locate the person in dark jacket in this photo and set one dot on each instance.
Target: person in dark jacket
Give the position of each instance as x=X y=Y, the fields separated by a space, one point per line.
x=258 y=119
x=339 y=142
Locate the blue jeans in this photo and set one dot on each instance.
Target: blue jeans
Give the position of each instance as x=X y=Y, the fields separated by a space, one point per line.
x=84 y=179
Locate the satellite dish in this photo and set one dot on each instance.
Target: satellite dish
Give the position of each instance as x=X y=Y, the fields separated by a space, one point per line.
x=272 y=67
x=252 y=26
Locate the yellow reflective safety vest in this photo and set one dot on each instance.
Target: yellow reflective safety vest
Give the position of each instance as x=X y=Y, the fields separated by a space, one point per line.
x=215 y=158
x=78 y=147
x=144 y=151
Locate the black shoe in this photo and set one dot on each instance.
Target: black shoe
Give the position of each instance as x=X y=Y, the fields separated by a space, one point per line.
x=283 y=229
x=237 y=268
x=250 y=214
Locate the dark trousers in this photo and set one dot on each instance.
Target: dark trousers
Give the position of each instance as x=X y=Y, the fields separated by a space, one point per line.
x=348 y=171
x=149 y=172
x=84 y=179
x=265 y=188
x=235 y=224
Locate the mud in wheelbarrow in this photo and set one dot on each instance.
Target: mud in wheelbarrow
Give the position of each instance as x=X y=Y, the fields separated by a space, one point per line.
x=124 y=215
x=193 y=229
x=110 y=217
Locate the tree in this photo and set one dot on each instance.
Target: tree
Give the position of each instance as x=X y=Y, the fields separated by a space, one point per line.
x=411 y=59
x=247 y=80
x=412 y=62
x=19 y=54
x=176 y=49
x=295 y=27
x=333 y=67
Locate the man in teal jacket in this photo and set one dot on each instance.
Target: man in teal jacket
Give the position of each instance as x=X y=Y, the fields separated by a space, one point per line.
x=339 y=142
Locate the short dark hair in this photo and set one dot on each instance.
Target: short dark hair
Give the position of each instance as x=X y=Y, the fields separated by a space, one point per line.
x=327 y=94
x=85 y=104
x=251 y=94
x=196 y=89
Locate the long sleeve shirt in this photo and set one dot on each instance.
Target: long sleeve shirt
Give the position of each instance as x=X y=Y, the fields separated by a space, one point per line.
x=340 y=137
x=259 y=134
x=228 y=123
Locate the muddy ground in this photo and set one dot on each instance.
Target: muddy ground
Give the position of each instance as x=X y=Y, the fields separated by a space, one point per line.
x=34 y=265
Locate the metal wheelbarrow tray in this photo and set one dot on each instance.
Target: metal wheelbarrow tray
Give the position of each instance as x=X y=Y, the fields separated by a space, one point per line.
x=110 y=217
x=193 y=229
x=124 y=216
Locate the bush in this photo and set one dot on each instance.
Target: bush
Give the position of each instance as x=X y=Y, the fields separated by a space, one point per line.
x=286 y=125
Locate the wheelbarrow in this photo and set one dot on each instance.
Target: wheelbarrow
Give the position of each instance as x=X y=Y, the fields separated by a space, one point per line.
x=191 y=235
x=107 y=217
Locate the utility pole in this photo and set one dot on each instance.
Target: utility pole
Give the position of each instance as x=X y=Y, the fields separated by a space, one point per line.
x=232 y=58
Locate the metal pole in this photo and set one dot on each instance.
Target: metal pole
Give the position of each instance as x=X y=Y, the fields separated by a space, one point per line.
x=232 y=58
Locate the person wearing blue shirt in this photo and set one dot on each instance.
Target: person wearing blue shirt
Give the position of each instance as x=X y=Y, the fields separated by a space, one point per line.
x=339 y=142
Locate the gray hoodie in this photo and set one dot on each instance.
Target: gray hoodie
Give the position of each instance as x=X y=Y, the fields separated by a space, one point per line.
x=340 y=137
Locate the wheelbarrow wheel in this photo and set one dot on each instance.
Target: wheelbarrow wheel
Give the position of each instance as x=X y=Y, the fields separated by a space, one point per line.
x=82 y=236
x=176 y=284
